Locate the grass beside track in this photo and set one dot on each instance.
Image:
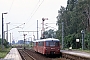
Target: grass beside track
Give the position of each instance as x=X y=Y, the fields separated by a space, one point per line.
x=4 y=52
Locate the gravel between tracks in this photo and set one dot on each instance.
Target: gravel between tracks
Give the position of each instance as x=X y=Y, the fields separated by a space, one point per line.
x=39 y=56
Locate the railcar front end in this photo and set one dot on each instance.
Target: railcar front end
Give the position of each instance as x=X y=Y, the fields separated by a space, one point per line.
x=52 y=47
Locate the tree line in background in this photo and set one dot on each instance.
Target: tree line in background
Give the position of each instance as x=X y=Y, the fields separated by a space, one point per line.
x=49 y=34
x=76 y=17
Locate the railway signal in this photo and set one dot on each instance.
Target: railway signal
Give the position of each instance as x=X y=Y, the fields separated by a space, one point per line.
x=43 y=19
x=25 y=35
x=24 y=39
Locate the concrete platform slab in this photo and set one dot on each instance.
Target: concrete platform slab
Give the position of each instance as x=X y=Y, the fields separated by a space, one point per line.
x=13 y=55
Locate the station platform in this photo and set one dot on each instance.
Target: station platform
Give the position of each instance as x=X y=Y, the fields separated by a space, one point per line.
x=13 y=55
x=77 y=53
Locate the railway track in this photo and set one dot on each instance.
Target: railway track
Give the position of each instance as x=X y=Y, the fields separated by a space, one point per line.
x=29 y=54
x=25 y=55
x=37 y=56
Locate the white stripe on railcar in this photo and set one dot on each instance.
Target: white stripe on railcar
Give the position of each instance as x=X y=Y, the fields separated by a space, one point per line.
x=48 y=39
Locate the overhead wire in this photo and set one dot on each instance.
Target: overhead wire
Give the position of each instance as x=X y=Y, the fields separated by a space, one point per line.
x=10 y=9
x=33 y=10
x=16 y=27
x=15 y=24
x=35 y=7
x=34 y=13
x=11 y=6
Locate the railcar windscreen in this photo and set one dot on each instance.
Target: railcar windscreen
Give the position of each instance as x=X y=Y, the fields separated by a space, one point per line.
x=52 y=43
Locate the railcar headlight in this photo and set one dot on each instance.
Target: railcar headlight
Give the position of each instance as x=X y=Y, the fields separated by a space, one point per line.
x=46 y=48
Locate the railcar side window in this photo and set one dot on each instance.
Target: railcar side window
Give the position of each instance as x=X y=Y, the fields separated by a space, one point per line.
x=47 y=43
x=41 y=43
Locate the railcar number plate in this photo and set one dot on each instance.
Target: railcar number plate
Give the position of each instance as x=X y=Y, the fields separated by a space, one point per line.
x=52 y=48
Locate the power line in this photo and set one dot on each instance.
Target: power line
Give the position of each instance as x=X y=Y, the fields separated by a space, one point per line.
x=34 y=12
x=16 y=27
x=35 y=7
x=10 y=8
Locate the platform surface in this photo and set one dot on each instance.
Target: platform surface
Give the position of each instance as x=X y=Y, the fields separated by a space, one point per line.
x=13 y=55
x=78 y=53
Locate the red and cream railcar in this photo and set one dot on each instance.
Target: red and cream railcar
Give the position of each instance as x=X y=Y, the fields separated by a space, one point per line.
x=47 y=46
x=35 y=46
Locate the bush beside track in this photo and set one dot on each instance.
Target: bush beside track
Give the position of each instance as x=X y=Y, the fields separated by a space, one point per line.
x=4 y=52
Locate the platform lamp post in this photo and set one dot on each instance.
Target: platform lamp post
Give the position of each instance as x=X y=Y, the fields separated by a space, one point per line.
x=2 y=31
x=7 y=30
x=82 y=32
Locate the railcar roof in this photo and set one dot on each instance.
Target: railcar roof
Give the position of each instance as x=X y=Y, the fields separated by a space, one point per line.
x=48 y=39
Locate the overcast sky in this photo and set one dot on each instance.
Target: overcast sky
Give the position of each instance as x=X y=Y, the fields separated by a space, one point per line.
x=28 y=12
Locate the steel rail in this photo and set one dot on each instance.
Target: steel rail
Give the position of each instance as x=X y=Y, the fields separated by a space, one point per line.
x=30 y=55
x=25 y=55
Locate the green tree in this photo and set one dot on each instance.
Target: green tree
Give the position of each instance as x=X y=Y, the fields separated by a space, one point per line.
x=87 y=41
x=76 y=18
x=49 y=34
x=5 y=43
